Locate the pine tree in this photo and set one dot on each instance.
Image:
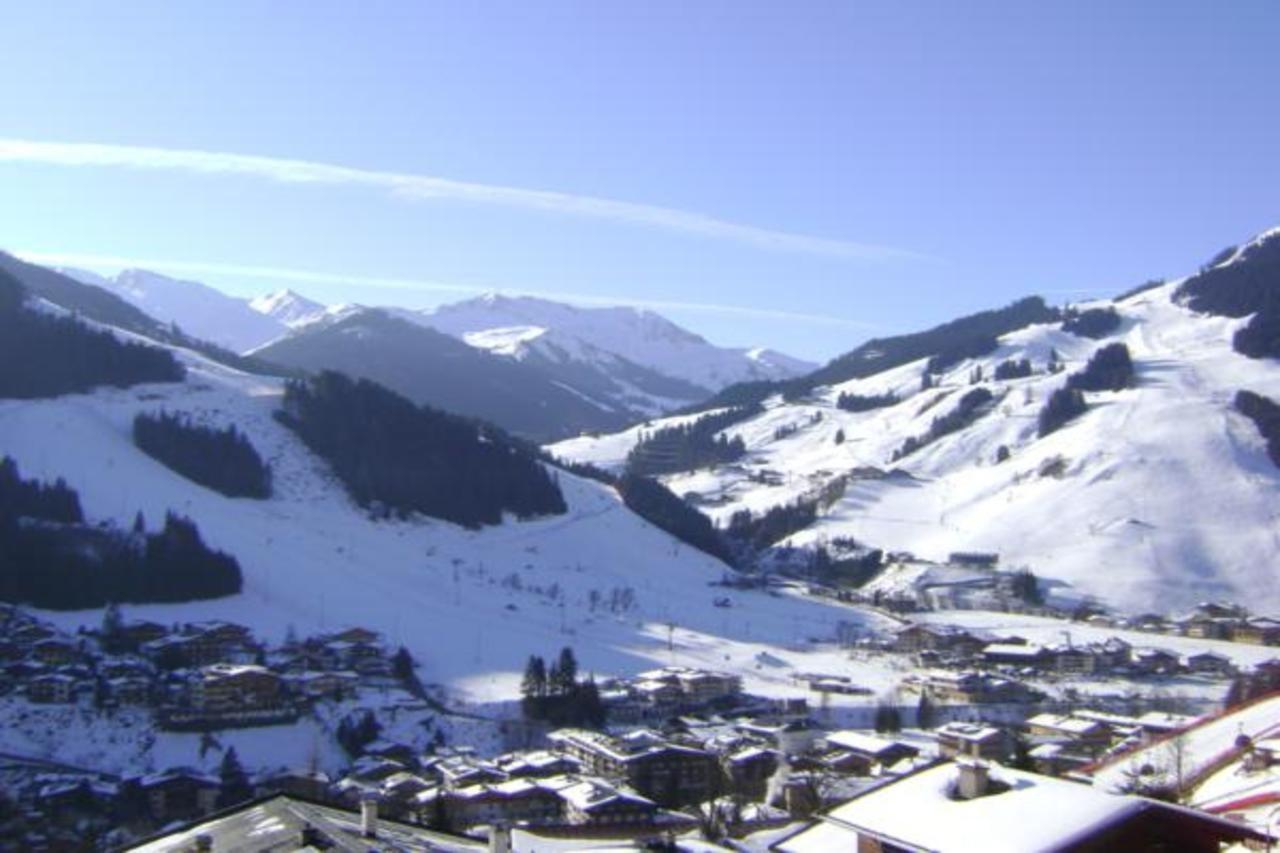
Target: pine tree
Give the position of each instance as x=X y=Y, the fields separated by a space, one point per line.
x=534 y=684
x=235 y=786
x=567 y=670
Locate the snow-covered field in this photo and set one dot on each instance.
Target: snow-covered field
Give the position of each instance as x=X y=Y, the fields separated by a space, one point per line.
x=470 y=605
x=1160 y=496
x=125 y=741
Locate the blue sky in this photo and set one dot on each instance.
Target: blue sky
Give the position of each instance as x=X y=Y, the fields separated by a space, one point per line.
x=801 y=175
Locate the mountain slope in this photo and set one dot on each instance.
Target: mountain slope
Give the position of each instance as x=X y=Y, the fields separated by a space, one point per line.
x=289 y=308
x=1159 y=495
x=435 y=369
x=471 y=605
x=196 y=308
x=639 y=337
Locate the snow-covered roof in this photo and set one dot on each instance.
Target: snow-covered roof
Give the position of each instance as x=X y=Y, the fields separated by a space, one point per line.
x=1064 y=723
x=1025 y=812
x=861 y=742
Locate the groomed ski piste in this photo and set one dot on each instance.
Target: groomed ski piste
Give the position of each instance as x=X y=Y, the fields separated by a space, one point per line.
x=1160 y=496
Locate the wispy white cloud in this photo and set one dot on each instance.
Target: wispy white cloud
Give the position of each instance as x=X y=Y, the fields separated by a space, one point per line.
x=282 y=274
x=426 y=187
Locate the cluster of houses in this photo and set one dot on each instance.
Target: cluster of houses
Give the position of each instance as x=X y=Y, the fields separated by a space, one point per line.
x=197 y=675
x=938 y=645
x=669 y=691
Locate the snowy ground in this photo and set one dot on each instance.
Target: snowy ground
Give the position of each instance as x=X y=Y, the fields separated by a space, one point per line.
x=1162 y=494
x=124 y=741
x=471 y=605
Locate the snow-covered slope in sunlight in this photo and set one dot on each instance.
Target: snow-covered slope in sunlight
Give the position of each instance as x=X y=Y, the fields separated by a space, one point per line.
x=471 y=605
x=1160 y=495
x=638 y=337
x=199 y=310
x=288 y=308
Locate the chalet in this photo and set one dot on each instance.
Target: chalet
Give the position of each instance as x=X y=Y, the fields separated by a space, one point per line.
x=52 y=652
x=593 y=802
x=667 y=772
x=460 y=771
x=236 y=687
x=998 y=808
x=921 y=637
x=1073 y=660
x=972 y=688
x=1080 y=736
x=789 y=736
x=540 y=764
x=312 y=684
x=657 y=693
x=30 y=632
x=216 y=641
x=860 y=753
x=357 y=635
x=1112 y=653
x=972 y=740
x=399 y=791
x=1208 y=627
x=1155 y=662
x=1210 y=663
x=133 y=634
x=309 y=784
x=177 y=794
x=513 y=801
x=402 y=753
x=54 y=688
x=1007 y=654
x=282 y=822
x=130 y=690
x=1259 y=631
x=747 y=770
x=1158 y=723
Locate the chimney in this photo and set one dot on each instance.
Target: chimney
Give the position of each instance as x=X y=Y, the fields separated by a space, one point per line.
x=369 y=816
x=973 y=780
x=499 y=838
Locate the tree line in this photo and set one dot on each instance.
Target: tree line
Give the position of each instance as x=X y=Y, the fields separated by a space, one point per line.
x=850 y=402
x=220 y=459
x=43 y=355
x=1265 y=414
x=397 y=458
x=1092 y=322
x=556 y=695
x=1109 y=369
x=689 y=446
x=49 y=556
x=971 y=406
x=658 y=505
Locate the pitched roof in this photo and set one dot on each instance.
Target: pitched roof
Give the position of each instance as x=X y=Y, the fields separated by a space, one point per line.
x=1030 y=812
x=268 y=823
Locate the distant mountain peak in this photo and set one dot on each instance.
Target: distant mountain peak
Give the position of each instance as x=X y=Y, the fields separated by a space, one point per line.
x=288 y=307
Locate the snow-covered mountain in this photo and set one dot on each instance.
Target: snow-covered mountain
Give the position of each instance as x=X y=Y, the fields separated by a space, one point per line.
x=290 y=308
x=614 y=341
x=1159 y=495
x=198 y=309
x=436 y=369
x=625 y=362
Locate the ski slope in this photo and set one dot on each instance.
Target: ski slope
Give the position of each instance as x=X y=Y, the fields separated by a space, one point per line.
x=470 y=605
x=1161 y=495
